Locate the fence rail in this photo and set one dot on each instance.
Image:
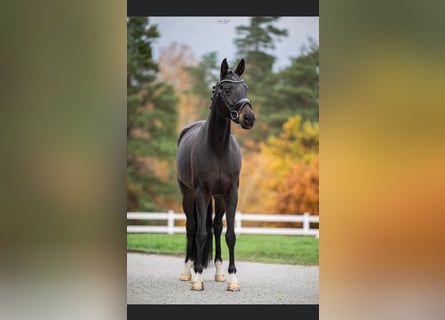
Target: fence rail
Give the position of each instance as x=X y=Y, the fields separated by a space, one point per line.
x=171 y=217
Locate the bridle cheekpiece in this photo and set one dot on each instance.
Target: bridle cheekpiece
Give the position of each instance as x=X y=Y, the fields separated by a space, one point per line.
x=237 y=108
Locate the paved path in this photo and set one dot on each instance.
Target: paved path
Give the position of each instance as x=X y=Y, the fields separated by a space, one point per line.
x=154 y=279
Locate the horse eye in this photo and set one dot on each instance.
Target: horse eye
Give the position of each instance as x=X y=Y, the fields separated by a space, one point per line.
x=227 y=90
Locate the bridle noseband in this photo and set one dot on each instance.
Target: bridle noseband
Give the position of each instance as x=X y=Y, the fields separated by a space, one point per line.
x=237 y=108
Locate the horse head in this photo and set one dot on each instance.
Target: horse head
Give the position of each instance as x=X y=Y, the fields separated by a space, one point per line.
x=231 y=96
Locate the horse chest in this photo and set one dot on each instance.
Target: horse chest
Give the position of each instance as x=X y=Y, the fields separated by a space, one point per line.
x=216 y=174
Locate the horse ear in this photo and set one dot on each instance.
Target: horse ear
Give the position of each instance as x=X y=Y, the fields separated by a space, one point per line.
x=224 y=68
x=240 y=68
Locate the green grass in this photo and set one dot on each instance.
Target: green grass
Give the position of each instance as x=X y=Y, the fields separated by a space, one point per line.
x=301 y=250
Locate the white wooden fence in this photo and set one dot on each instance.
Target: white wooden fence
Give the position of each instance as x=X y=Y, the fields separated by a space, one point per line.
x=171 y=216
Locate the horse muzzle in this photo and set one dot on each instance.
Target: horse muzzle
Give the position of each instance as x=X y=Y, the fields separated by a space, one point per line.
x=247 y=117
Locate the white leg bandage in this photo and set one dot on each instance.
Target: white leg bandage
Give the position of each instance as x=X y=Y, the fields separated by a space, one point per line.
x=232 y=278
x=197 y=283
x=197 y=277
x=233 y=284
x=188 y=266
x=218 y=266
x=219 y=274
x=186 y=275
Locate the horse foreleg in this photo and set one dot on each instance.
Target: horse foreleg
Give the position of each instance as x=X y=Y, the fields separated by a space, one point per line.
x=231 y=204
x=217 y=227
x=201 y=206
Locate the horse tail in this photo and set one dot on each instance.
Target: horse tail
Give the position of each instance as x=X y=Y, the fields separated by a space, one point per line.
x=208 y=247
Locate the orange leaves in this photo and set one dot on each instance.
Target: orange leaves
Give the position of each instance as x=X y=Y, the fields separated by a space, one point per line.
x=283 y=176
x=299 y=192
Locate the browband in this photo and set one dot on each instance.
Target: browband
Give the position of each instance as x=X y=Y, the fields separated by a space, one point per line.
x=231 y=81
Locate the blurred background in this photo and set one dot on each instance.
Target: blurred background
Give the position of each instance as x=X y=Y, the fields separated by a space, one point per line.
x=173 y=62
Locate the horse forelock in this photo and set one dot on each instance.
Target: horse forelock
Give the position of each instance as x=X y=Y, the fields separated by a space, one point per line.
x=232 y=76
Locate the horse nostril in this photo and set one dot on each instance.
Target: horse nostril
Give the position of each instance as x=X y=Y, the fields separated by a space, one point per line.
x=248 y=122
x=248 y=118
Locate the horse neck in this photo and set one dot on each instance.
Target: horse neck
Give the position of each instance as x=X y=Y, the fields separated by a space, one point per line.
x=218 y=130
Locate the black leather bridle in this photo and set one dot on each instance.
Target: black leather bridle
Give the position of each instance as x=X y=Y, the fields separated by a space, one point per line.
x=237 y=108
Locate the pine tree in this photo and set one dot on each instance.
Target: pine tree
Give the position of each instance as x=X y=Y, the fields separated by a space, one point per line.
x=151 y=123
x=295 y=90
x=203 y=76
x=253 y=44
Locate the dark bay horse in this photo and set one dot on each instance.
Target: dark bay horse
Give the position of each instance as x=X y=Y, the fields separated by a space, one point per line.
x=208 y=163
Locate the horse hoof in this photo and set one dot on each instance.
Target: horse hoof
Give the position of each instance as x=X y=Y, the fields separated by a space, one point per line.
x=197 y=285
x=220 y=278
x=186 y=277
x=233 y=286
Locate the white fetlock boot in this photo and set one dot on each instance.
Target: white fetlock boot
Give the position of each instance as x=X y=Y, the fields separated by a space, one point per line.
x=219 y=274
x=186 y=275
x=197 y=283
x=233 y=284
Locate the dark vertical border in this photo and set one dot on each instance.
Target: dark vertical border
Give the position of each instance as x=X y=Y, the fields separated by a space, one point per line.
x=225 y=8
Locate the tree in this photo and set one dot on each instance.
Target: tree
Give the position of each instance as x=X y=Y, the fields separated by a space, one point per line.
x=255 y=43
x=299 y=192
x=295 y=90
x=151 y=123
x=264 y=173
x=174 y=61
x=296 y=143
x=252 y=44
x=141 y=69
x=203 y=76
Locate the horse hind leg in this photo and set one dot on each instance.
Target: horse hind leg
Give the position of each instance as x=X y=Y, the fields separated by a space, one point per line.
x=188 y=205
x=217 y=227
x=186 y=274
x=208 y=247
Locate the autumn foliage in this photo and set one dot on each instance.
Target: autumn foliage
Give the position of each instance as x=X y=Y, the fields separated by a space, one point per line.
x=299 y=191
x=283 y=176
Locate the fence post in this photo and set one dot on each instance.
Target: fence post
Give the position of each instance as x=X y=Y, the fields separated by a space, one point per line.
x=238 y=219
x=170 y=222
x=306 y=222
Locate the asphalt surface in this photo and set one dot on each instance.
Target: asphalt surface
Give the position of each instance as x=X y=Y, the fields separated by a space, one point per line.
x=154 y=279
